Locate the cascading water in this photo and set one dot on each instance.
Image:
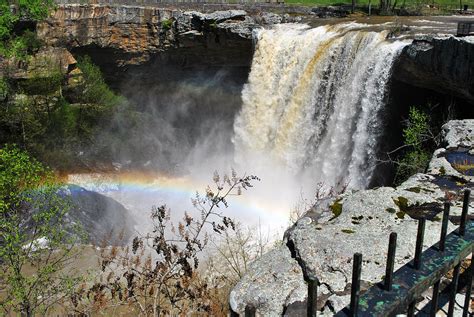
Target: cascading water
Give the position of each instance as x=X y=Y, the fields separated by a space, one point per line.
x=313 y=100
x=311 y=113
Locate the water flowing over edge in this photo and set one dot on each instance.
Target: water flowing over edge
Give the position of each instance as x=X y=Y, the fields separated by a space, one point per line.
x=313 y=100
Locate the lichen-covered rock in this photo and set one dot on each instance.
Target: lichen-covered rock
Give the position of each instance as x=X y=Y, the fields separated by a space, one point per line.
x=326 y=238
x=272 y=283
x=459 y=133
x=367 y=219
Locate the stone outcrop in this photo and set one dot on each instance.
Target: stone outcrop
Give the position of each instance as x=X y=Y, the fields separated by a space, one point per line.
x=439 y=63
x=103 y=219
x=44 y=63
x=137 y=32
x=324 y=241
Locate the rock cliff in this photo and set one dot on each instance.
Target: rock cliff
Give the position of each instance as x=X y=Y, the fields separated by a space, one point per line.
x=439 y=63
x=132 y=35
x=323 y=242
x=135 y=33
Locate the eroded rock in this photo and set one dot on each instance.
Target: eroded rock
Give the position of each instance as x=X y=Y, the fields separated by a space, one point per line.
x=324 y=241
x=272 y=283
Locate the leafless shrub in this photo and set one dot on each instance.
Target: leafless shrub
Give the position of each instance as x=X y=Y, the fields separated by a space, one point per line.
x=158 y=273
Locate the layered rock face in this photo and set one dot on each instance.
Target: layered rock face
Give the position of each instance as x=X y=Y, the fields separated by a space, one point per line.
x=440 y=64
x=323 y=242
x=138 y=32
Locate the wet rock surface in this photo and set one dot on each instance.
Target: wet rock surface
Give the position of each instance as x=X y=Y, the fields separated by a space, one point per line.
x=324 y=241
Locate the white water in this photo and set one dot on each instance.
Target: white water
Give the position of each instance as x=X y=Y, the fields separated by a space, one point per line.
x=313 y=101
x=311 y=113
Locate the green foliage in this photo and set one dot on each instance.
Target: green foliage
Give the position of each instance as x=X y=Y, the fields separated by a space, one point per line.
x=54 y=122
x=416 y=134
x=21 y=43
x=34 y=245
x=20 y=46
x=7 y=20
x=412 y=162
x=42 y=85
x=417 y=128
x=93 y=87
x=4 y=89
x=166 y=24
x=33 y=10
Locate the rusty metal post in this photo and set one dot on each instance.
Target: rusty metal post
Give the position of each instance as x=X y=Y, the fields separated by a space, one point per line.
x=355 y=288
x=454 y=289
x=312 y=296
x=465 y=208
x=392 y=248
x=250 y=311
x=434 y=300
x=467 y=300
x=444 y=227
x=419 y=243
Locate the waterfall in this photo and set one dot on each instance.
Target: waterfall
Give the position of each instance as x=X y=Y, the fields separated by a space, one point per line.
x=313 y=102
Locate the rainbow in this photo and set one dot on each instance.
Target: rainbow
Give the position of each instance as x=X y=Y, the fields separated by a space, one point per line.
x=177 y=192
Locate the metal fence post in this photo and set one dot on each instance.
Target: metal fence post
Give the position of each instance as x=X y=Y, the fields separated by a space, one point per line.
x=312 y=296
x=250 y=311
x=434 y=300
x=444 y=227
x=419 y=243
x=454 y=289
x=355 y=288
x=467 y=300
x=392 y=248
x=465 y=208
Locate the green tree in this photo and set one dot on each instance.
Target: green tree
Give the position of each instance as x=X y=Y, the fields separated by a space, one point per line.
x=35 y=247
x=19 y=44
x=93 y=86
x=13 y=11
x=416 y=136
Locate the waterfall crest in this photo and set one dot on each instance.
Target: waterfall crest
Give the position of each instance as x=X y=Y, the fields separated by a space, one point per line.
x=313 y=101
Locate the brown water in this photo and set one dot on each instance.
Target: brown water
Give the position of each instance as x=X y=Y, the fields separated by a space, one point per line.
x=404 y=27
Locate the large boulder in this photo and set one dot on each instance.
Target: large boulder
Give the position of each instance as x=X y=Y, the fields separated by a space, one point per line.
x=104 y=220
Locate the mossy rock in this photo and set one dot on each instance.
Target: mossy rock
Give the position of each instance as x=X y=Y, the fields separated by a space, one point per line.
x=391 y=210
x=401 y=215
x=336 y=209
x=348 y=231
x=414 y=190
x=402 y=203
x=442 y=170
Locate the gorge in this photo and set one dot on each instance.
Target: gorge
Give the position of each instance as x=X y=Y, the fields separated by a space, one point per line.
x=292 y=98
